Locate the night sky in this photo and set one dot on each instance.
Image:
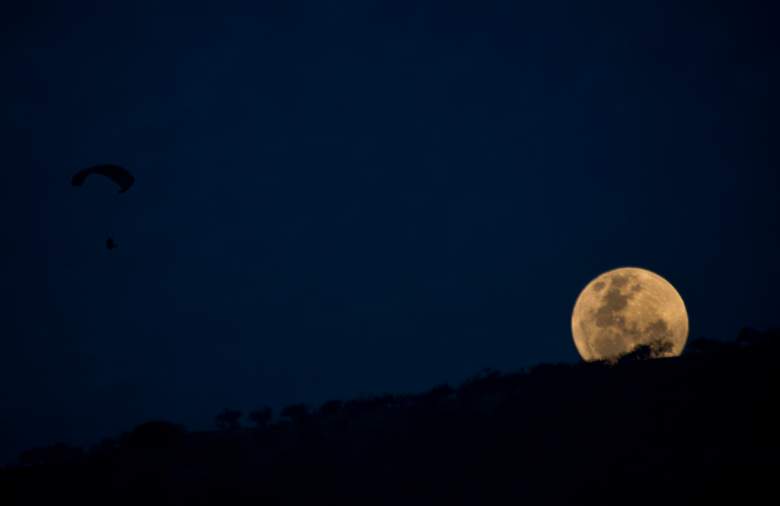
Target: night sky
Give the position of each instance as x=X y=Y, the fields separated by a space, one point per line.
x=355 y=197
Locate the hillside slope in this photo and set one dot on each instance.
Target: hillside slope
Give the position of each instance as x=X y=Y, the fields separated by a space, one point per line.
x=687 y=430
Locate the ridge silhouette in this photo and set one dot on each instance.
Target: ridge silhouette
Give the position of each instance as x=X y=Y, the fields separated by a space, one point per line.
x=695 y=429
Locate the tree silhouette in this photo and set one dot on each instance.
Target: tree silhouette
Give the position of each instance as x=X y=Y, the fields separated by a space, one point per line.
x=295 y=412
x=331 y=408
x=58 y=454
x=661 y=347
x=261 y=417
x=752 y=337
x=706 y=345
x=654 y=349
x=155 y=434
x=439 y=392
x=228 y=419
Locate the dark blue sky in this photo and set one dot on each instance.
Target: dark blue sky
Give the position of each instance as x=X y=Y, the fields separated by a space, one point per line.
x=334 y=200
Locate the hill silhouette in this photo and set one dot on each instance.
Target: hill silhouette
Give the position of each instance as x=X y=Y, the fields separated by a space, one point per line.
x=695 y=429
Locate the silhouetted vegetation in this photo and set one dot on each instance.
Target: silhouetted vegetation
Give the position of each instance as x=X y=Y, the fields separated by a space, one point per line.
x=701 y=428
x=54 y=455
x=228 y=419
x=331 y=408
x=261 y=417
x=155 y=434
x=295 y=413
x=656 y=349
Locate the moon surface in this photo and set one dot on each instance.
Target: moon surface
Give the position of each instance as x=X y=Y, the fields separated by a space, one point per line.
x=625 y=308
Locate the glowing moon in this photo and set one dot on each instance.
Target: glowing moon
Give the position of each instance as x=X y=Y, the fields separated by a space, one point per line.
x=625 y=308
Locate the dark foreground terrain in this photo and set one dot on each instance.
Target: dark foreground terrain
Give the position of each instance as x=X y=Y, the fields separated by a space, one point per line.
x=699 y=429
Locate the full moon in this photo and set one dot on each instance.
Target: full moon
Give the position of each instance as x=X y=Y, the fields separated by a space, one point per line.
x=625 y=308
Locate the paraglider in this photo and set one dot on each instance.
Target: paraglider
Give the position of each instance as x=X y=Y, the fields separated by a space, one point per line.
x=115 y=173
x=119 y=175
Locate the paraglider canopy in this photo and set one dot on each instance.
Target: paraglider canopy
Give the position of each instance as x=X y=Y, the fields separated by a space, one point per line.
x=117 y=174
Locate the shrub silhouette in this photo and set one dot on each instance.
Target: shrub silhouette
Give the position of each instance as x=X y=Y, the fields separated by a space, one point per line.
x=155 y=434
x=331 y=408
x=439 y=392
x=295 y=412
x=708 y=346
x=752 y=337
x=58 y=454
x=261 y=417
x=655 y=349
x=228 y=419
